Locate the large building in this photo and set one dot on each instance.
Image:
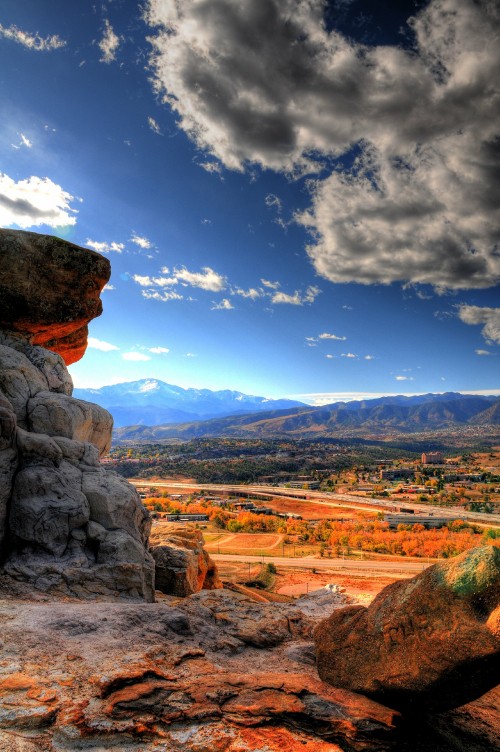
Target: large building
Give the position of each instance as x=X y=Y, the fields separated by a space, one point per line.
x=432 y=458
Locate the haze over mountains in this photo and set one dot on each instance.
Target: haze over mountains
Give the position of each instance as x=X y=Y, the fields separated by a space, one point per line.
x=152 y=402
x=243 y=415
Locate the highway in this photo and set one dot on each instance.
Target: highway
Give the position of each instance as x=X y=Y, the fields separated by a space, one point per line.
x=367 y=566
x=326 y=498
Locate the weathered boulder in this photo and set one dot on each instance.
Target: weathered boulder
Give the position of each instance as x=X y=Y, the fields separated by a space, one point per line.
x=182 y=565
x=429 y=643
x=49 y=290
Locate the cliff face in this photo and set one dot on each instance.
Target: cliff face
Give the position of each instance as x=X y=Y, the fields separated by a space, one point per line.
x=66 y=523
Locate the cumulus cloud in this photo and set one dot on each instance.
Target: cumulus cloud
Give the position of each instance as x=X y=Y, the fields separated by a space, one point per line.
x=207 y=279
x=104 y=247
x=159 y=350
x=348 y=355
x=33 y=202
x=417 y=196
x=135 y=356
x=488 y=317
x=99 y=344
x=142 y=242
x=224 y=305
x=109 y=44
x=32 y=41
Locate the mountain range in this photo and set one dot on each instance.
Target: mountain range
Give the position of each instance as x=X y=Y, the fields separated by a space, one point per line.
x=153 y=402
x=398 y=413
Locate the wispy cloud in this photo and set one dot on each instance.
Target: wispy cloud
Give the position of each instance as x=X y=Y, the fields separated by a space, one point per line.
x=33 y=202
x=23 y=141
x=163 y=297
x=108 y=287
x=404 y=378
x=159 y=350
x=99 y=344
x=141 y=241
x=109 y=44
x=327 y=335
x=32 y=41
x=135 y=356
x=348 y=355
x=251 y=293
x=297 y=298
x=153 y=125
x=270 y=285
x=482 y=352
x=224 y=305
x=104 y=247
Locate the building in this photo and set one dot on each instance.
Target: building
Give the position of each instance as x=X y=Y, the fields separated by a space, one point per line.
x=432 y=458
x=428 y=521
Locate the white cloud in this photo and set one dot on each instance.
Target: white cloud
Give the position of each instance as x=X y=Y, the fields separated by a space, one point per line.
x=207 y=279
x=99 y=344
x=109 y=44
x=154 y=126
x=297 y=298
x=369 y=357
x=267 y=84
x=135 y=356
x=482 y=352
x=224 y=305
x=164 y=297
x=271 y=285
x=159 y=350
x=251 y=293
x=326 y=335
x=330 y=357
x=103 y=247
x=489 y=317
x=142 y=242
x=404 y=378
x=32 y=41
x=108 y=287
x=348 y=355
x=33 y=202
x=23 y=141
x=191 y=355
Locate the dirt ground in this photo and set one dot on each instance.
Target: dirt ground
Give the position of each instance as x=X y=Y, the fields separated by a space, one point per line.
x=296 y=582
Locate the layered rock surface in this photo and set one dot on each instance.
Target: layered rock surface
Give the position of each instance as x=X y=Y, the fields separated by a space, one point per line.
x=66 y=523
x=429 y=643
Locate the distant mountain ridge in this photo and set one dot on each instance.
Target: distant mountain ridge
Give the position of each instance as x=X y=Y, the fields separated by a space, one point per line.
x=153 y=402
x=405 y=414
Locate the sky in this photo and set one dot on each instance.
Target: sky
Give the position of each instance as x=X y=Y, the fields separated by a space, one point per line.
x=298 y=198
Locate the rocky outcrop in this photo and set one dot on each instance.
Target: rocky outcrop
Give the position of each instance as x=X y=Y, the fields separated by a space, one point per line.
x=67 y=524
x=175 y=675
x=49 y=290
x=182 y=566
x=429 y=643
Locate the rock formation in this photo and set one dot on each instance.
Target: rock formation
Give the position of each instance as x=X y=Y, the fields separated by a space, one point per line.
x=182 y=566
x=49 y=290
x=66 y=523
x=429 y=643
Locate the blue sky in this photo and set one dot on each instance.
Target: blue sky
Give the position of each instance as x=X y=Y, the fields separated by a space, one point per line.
x=298 y=198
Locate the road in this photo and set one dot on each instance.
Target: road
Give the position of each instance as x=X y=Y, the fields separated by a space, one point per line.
x=326 y=498
x=374 y=568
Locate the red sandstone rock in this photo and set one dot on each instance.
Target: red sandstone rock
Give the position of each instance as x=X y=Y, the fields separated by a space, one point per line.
x=49 y=290
x=429 y=643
